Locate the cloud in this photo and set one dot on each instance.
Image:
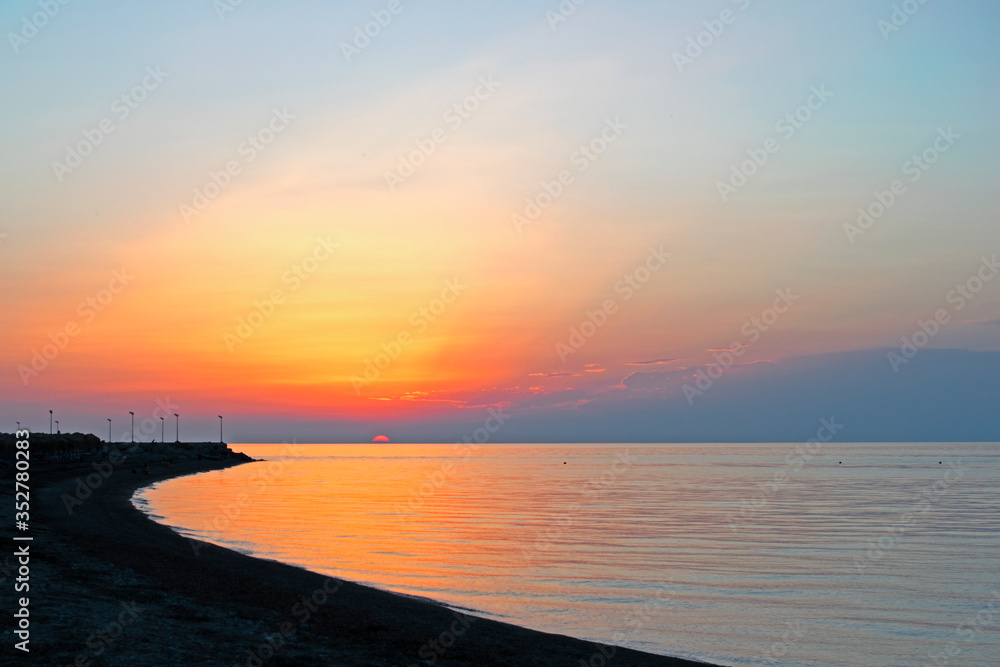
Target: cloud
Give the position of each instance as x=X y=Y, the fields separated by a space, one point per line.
x=729 y=349
x=652 y=362
x=942 y=395
x=646 y=381
x=573 y=404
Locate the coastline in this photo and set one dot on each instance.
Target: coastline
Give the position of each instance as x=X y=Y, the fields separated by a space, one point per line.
x=112 y=587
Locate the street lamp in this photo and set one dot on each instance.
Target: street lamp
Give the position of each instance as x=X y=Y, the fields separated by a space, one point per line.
x=109 y=430
x=18 y=426
x=57 y=426
x=162 y=439
x=133 y=426
x=50 y=422
x=220 y=429
x=177 y=433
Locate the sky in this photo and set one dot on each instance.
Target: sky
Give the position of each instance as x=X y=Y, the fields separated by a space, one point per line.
x=518 y=221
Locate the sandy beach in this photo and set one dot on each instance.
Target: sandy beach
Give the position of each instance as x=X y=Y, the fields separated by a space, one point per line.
x=111 y=587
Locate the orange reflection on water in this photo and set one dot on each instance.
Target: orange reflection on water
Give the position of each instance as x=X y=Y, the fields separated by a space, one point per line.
x=579 y=539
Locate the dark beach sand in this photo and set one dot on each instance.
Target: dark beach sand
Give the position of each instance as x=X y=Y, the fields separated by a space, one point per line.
x=111 y=587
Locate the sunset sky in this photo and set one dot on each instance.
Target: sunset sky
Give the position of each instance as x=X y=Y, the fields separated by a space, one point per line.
x=236 y=212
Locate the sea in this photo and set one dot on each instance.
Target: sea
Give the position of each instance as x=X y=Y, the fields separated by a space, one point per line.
x=732 y=554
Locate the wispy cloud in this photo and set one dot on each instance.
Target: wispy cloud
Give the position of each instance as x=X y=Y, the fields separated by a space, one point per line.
x=573 y=404
x=652 y=362
x=729 y=349
x=646 y=381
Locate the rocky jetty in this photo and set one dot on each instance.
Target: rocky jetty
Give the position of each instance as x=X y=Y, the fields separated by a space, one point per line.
x=77 y=447
x=53 y=446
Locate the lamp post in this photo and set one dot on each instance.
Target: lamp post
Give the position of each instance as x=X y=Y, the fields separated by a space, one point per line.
x=109 y=430
x=133 y=426
x=220 y=429
x=162 y=439
x=50 y=422
x=177 y=432
x=18 y=426
x=57 y=426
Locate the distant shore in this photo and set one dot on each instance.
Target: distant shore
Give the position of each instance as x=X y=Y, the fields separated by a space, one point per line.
x=111 y=587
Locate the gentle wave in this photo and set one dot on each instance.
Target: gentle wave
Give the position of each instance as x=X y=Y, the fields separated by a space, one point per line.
x=734 y=554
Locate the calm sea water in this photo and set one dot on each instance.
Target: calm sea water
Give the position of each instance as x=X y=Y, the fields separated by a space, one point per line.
x=868 y=554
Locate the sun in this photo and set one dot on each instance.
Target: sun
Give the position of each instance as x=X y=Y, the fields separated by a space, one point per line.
x=380 y=438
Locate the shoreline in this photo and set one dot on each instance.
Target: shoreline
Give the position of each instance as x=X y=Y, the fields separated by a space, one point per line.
x=110 y=586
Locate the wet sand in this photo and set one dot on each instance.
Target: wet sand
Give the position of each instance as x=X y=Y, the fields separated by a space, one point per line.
x=111 y=587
